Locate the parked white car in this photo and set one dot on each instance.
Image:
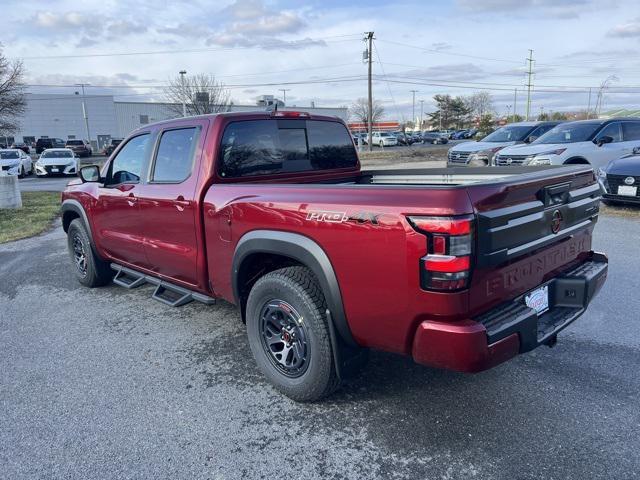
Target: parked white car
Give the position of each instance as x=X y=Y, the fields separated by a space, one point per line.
x=384 y=139
x=57 y=161
x=14 y=161
x=481 y=153
x=595 y=142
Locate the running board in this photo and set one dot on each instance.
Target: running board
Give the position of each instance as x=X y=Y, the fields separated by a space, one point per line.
x=165 y=292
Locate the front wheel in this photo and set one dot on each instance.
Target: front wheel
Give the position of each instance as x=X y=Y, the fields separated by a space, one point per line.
x=90 y=270
x=289 y=336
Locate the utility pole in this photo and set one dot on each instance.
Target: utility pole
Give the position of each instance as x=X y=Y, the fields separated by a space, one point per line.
x=421 y=112
x=369 y=40
x=515 y=103
x=84 y=110
x=529 y=84
x=589 y=105
x=508 y=112
x=284 y=95
x=413 y=111
x=184 y=104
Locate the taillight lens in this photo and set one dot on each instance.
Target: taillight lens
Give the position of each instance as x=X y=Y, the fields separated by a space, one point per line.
x=447 y=264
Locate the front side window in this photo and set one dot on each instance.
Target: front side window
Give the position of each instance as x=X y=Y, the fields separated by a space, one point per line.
x=630 y=131
x=612 y=130
x=175 y=155
x=127 y=166
x=263 y=147
x=541 y=130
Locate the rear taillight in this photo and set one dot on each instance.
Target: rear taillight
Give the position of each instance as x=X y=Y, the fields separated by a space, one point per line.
x=447 y=264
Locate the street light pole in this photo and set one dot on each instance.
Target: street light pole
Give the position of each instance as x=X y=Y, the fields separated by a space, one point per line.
x=413 y=111
x=84 y=110
x=184 y=105
x=421 y=112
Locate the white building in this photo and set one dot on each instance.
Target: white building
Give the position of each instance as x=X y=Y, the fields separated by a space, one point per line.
x=62 y=116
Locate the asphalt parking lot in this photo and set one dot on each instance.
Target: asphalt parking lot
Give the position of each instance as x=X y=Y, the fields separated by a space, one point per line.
x=108 y=383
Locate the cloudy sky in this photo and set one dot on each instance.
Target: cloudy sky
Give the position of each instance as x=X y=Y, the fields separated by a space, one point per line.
x=314 y=48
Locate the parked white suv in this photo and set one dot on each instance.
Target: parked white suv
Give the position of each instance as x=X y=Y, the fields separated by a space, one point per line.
x=596 y=142
x=14 y=161
x=383 y=139
x=481 y=153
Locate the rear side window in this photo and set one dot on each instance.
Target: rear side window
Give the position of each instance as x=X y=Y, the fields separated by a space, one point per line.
x=174 y=159
x=630 y=131
x=264 y=147
x=127 y=166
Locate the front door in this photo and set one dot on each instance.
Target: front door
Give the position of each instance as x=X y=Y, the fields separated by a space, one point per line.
x=169 y=206
x=117 y=213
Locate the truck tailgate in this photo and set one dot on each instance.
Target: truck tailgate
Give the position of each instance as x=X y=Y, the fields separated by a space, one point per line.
x=529 y=229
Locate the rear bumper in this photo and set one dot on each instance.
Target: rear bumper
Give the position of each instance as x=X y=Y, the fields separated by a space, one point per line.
x=480 y=343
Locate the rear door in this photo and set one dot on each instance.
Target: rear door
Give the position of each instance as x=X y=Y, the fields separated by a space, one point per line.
x=630 y=136
x=116 y=215
x=168 y=202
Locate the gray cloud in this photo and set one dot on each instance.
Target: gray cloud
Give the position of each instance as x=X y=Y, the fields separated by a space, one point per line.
x=462 y=72
x=554 y=8
x=125 y=27
x=626 y=30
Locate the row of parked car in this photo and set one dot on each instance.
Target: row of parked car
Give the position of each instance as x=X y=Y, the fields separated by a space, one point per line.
x=52 y=161
x=388 y=139
x=610 y=146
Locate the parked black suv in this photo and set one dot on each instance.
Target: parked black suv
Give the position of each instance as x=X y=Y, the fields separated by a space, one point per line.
x=81 y=148
x=43 y=143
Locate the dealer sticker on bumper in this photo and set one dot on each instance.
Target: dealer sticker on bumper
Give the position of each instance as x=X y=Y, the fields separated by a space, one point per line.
x=538 y=299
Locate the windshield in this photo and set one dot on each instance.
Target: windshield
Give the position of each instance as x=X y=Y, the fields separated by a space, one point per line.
x=509 y=134
x=58 y=154
x=74 y=142
x=9 y=155
x=568 y=133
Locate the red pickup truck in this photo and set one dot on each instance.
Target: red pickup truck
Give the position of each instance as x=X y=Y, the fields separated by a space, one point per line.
x=461 y=269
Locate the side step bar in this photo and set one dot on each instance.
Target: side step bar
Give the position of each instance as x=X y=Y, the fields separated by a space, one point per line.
x=165 y=292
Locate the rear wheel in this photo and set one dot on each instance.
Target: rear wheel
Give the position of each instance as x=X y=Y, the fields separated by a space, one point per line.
x=90 y=270
x=289 y=336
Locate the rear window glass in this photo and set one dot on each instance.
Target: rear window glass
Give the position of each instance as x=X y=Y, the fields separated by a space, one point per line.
x=264 y=147
x=75 y=142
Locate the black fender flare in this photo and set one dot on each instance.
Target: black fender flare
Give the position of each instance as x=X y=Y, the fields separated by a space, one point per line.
x=572 y=161
x=305 y=251
x=71 y=205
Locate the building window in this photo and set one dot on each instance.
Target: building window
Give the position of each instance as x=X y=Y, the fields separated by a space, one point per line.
x=29 y=140
x=144 y=119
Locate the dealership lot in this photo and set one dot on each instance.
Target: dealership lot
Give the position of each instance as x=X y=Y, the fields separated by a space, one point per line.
x=108 y=383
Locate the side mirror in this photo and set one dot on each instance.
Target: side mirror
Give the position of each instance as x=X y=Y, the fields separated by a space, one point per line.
x=531 y=138
x=90 y=174
x=602 y=140
x=636 y=151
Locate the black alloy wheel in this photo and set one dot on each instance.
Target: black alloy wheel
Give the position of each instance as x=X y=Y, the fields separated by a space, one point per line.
x=284 y=338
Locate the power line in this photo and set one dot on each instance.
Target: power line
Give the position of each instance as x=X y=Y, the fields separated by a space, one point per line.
x=442 y=52
x=305 y=41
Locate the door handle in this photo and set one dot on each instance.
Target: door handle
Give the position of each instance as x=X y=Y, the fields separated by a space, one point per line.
x=131 y=199
x=181 y=203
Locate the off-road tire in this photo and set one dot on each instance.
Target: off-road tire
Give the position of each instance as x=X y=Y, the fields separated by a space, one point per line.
x=97 y=272
x=298 y=287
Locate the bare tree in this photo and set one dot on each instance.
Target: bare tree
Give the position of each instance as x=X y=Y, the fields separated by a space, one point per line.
x=360 y=111
x=200 y=94
x=480 y=104
x=12 y=95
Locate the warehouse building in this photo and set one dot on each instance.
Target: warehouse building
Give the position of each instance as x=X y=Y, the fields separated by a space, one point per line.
x=101 y=117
